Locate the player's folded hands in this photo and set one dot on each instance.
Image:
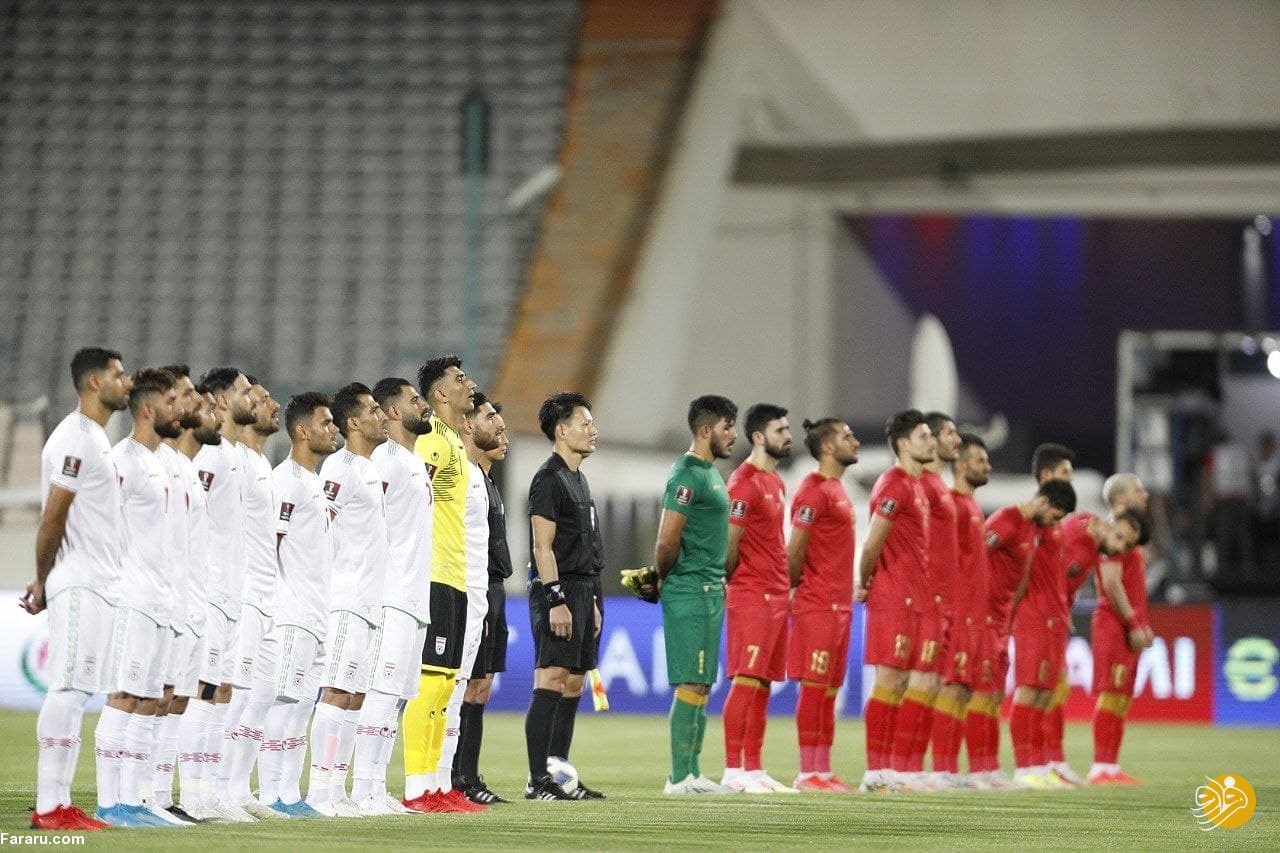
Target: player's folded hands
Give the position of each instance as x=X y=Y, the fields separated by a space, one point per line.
x=642 y=582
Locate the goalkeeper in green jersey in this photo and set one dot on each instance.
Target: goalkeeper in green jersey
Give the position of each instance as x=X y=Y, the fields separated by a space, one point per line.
x=689 y=564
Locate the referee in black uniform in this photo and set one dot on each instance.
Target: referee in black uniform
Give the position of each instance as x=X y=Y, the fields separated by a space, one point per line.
x=564 y=592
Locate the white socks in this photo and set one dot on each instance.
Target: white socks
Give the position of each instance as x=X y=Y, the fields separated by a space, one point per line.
x=58 y=734
x=324 y=750
x=230 y=738
x=375 y=729
x=191 y=731
x=271 y=757
x=295 y=751
x=165 y=750
x=249 y=739
x=108 y=743
x=135 y=763
x=452 y=722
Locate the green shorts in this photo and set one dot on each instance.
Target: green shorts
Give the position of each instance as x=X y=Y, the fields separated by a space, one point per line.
x=692 y=621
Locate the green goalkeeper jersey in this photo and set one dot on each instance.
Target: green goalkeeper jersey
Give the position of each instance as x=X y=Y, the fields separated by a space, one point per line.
x=696 y=490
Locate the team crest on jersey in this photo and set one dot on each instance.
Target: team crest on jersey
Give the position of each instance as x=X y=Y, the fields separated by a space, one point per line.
x=71 y=466
x=684 y=495
x=331 y=489
x=286 y=511
x=431 y=471
x=298 y=676
x=90 y=664
x=738 y=509
x=440 y=644
x=206 y=480
x=389 y=669
x=805 y=514
x=993 y=539
x=887 y=506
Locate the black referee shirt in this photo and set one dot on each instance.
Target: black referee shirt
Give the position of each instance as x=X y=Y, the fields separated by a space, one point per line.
x=499 y=553
x=561 y=495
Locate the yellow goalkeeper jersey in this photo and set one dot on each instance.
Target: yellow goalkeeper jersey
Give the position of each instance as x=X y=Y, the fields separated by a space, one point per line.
x=446 y=460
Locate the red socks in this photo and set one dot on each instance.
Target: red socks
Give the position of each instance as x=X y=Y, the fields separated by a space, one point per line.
x=911 y=731
x=1108 y=727
x=1054 y=724
x=737 y=706
x=753 y=736
x=1026 y=727
x=880 y=719
x=948 y=729
x=827 y=731
x=809 y=714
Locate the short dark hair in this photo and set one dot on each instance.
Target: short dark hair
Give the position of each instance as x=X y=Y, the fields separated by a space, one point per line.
x=557 y=409
x=178 y=370
x=710 y=409
x=346 y=403
x=253 y=380
x=1140 y=523
x=758 y=417
x=1049 y=456
x=388 y=388
x=432 y=370
x=817 y=432
x=219 y=379
x=1061 y=494
x=148 y=382
x=935 y=420
x=480 y=399
x=969 y=439
x=90 y=360
x=900 y=425
x=302 y=406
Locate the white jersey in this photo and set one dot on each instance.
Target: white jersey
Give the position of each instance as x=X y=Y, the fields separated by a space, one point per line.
x=407 y=496
x=475 y=522
x=259 y=531
x=146 y=564
x=178 y=530
x=197 y=601
x=221 y=470
x=305 y=551
x=77 y=457
x=353 y=487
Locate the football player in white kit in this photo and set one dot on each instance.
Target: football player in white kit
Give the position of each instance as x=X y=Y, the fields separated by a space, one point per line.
x=221 y=468
x=140 y=644
x=405 y=612
x=255 y=651
x=353 y=487
x=204 y=431
x=304 y=558
x=77 y=576
x=182 y=645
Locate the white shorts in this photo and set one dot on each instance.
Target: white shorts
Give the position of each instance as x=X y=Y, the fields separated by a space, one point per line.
x=351 y=646
x=140 y=654
x=477 y=609
x=170 y=665
x=81 y=632
x=398 y=654
x=185 y=664
x=252 y=631
x=217 y=651
x=300 y=665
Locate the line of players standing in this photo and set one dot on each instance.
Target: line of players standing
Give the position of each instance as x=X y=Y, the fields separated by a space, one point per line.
x=945 y=590
x=214 y=598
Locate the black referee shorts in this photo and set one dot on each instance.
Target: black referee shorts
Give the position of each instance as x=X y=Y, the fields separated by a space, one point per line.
x=492 y=655
x=443 y=649
x=579 y=652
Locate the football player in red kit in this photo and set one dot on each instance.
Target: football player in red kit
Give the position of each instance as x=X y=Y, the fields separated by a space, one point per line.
x=820 y=558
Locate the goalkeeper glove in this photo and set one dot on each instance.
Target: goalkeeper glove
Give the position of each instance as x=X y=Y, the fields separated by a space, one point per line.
x=643 y=583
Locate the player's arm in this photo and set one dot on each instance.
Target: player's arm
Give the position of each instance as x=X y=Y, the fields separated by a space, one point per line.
x=53 y=527
x=796 y=549
x=667 y=549
x=1110 y=575
x=1021 y=591
x=876 y=537
x=544 y=560
x=731 y=556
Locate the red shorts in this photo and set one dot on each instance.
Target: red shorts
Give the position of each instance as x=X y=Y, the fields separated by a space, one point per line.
x=819 y=646
x=893 y=632
x=1039 y=653
x=969 y=662
x=931 y=652
x=1114 y=665
x=757 y=626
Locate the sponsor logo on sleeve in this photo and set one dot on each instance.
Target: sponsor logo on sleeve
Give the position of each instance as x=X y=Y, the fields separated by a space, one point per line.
x=993 y=539
x=684 y=495
x=286 y=511
x=431 y=471
x=805 y=515
x=206 y=480
x=71 y=466
x=738 y=509
x=331 y=489
x=888 y=506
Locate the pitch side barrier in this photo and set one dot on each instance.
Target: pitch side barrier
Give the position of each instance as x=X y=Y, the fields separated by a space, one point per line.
x=1216 y=663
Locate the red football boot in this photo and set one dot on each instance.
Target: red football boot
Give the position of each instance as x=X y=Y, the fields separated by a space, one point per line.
x=456 y=802
x=62 y=819
x=837 y=785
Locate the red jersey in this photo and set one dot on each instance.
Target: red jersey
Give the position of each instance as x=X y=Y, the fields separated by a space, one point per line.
x=1009 y=540
x=1046 y=596
x=970 y=591
x=757 y=501
x=944 y=545
x=902 y=566
x=822 y=507
x=1133 y=568
x=1080 y=552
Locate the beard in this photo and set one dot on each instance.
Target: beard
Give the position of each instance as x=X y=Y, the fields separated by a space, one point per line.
x=976 y=480
x=778 y=451
x=416 y=425
x=208 y=436
x=486 y=444
x=244 y=417
x=169 y=429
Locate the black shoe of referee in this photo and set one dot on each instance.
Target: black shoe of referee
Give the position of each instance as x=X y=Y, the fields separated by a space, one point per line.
x=545 y=788
x=582 y=792
x=478 y=792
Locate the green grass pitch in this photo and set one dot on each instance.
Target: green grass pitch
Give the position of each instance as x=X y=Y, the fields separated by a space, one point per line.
x=626 y=756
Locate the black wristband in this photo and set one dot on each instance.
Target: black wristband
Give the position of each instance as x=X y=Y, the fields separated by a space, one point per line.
x=555 y=593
